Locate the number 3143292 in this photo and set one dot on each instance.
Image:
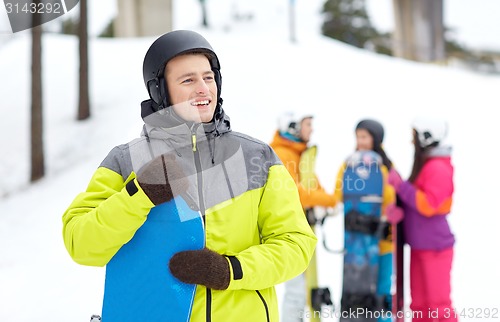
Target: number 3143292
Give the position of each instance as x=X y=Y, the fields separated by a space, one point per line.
x=473 y=313
x=33 y=8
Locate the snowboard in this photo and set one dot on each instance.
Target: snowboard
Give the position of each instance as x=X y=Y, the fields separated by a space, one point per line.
x=316 y=296
x=366 y=274
x=313 y=303
x=138 y=282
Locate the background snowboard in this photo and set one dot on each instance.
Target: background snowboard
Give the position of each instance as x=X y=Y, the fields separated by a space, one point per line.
x=398 y=300
x=362 y=197
x=316 y=296
x=138 y=285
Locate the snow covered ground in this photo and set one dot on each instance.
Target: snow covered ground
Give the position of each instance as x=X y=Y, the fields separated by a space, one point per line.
x=263 y=75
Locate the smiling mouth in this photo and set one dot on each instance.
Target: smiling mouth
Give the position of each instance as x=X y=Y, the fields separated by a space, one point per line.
x=203 y=103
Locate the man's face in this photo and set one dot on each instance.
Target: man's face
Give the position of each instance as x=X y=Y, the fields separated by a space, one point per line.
x=364 y=140
x=306 y=129
x=191 y=87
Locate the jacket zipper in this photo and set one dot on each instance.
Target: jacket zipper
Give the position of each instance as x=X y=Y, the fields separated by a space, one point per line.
x=265 y=305
x=209 y=305
x=197 y=163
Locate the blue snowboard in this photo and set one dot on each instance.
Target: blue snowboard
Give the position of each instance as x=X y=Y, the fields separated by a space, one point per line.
x=364 y=283
x=138 y=285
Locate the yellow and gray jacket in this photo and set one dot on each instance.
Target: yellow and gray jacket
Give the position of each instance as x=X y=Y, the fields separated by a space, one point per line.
x=248 y=200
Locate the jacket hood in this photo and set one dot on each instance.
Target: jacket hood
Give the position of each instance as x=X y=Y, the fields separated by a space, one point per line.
x=280 y=141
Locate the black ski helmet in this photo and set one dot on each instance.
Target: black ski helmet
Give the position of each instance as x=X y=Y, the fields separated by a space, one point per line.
x=374 y=128
x=165 y=48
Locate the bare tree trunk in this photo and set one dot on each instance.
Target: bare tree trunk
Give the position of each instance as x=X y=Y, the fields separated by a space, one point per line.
x=37 y=154
x=293 y=37
x=204 y=13
x=419 y=30
x=83 y=101
x=139 y=18
x=403 y=39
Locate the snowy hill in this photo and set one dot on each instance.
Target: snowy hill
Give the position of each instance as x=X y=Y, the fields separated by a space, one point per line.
x=263 y=75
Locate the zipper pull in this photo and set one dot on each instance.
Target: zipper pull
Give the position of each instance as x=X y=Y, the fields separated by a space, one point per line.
x=193 y=140
x=193 y=135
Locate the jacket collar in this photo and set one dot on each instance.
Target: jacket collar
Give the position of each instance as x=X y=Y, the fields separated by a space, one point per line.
x=165 y=124
x=439 y=151
x=280 y=141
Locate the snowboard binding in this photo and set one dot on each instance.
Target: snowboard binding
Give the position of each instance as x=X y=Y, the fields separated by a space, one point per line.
x=366 y=224
x=319 y=297
x=368 y=302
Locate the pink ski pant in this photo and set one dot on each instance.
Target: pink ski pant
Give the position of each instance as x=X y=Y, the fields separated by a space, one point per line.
x=430 y=285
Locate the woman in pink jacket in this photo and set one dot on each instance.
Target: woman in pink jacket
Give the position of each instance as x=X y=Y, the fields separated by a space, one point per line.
x=426 y=199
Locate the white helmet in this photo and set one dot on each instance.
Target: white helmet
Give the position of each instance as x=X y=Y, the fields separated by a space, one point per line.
x=430 y=131
x=290 y=122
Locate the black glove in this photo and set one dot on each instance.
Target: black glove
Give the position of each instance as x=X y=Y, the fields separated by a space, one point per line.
x=162 y=179
x=204 y=267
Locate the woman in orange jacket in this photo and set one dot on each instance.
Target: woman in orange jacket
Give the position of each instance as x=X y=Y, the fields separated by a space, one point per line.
x=291 y=145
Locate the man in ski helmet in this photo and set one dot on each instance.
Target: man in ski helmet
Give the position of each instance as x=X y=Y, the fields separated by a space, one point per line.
x=171 y=46
x=426 y=199
x=256 y=235
x=290 y=143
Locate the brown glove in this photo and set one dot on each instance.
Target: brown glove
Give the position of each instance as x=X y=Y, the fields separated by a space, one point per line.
x=204 y=267
x=162 y=179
